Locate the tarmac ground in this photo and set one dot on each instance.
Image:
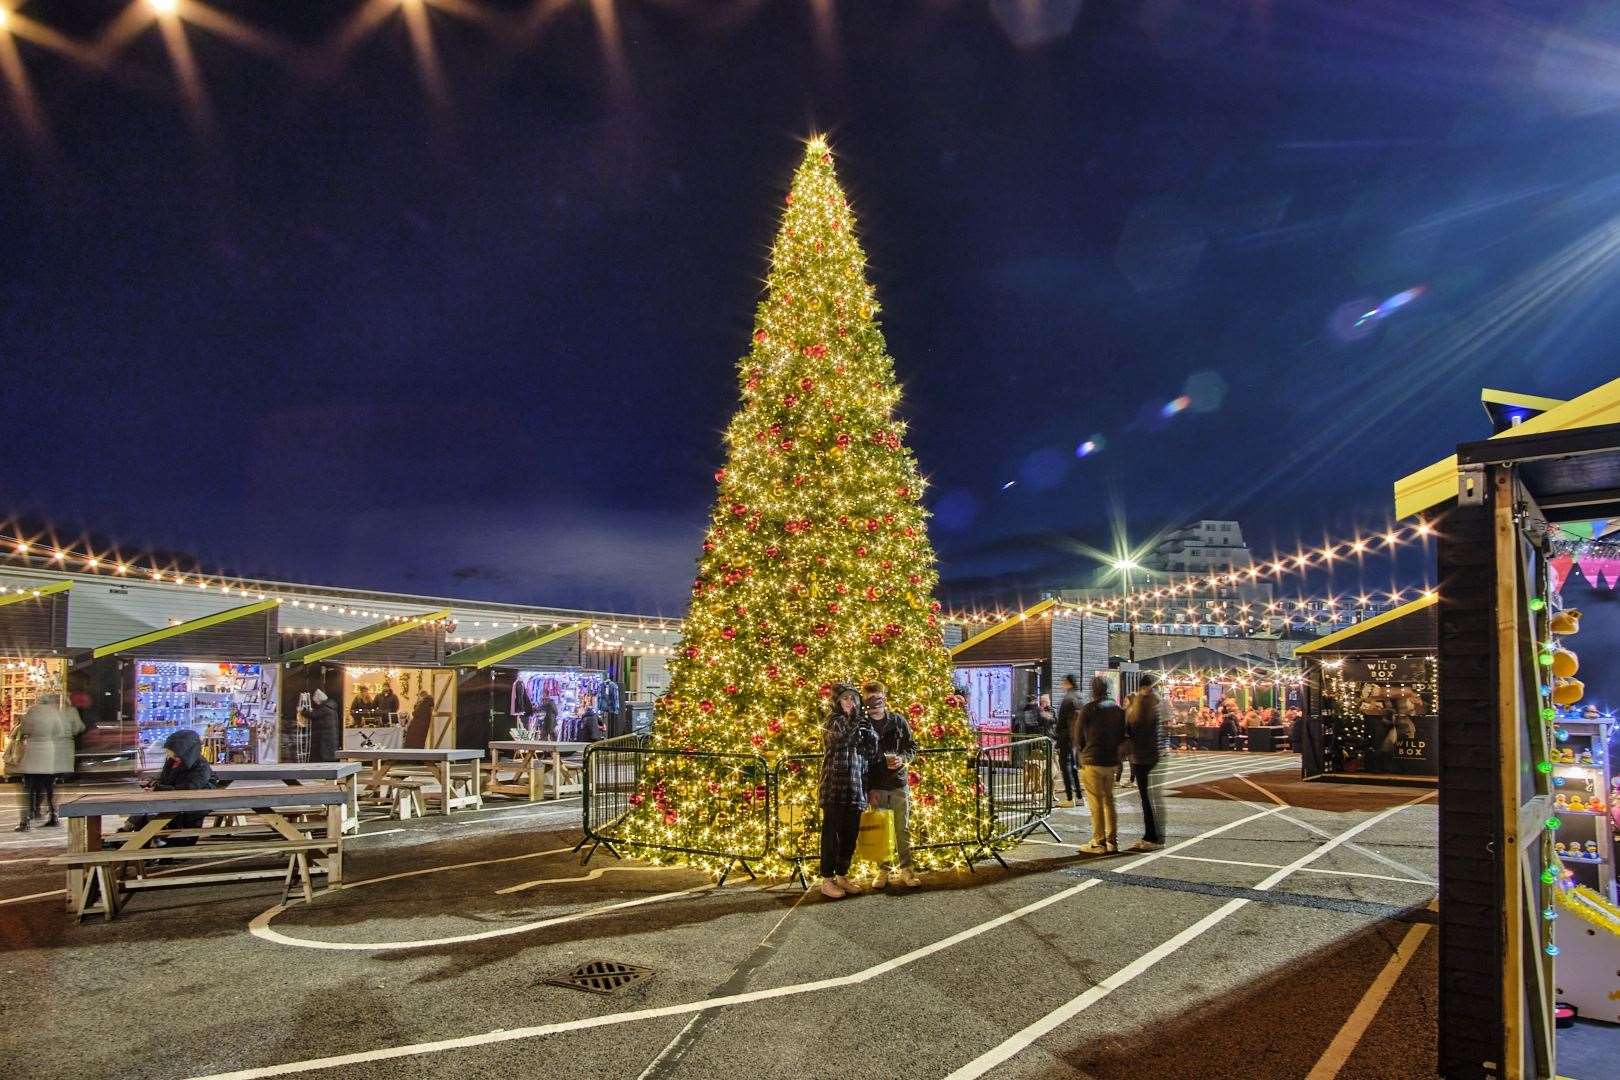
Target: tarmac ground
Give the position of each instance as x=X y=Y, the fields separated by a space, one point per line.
x=1285 y=931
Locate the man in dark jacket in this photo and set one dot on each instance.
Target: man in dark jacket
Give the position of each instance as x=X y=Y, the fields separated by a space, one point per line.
x=1147 y=722
x=888 y=775
x=325 y=728
x=548 y=717
x=1068 y=712
x=1098 y=731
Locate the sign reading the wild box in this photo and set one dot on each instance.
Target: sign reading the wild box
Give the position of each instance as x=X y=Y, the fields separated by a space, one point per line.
x=1405 y=669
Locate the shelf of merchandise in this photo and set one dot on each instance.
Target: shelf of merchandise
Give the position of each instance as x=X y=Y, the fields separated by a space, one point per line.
x=1590 y=774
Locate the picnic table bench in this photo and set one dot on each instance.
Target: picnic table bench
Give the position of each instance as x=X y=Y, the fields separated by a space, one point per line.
x=95 y=873
x=456 y=770
x=296 y=773
x=530 y=762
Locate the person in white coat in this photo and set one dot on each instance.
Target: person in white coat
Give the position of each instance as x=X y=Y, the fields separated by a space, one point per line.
x=48 y=731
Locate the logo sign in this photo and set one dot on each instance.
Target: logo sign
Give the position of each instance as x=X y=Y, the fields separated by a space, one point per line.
x=1405 y=669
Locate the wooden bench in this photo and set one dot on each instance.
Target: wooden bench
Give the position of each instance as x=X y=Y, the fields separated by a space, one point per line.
x=404 y=796
x=101 y=868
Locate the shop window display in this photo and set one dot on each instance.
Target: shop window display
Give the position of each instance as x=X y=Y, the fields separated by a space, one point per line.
x=233 y=708
x=576 y=694
x=1383 y=714
x=393 y=707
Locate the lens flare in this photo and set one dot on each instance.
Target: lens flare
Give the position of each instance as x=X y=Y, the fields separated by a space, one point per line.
x=1390 y=306
x=1175 y=405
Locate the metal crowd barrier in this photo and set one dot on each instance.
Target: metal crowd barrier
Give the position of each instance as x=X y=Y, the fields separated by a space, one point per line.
x=621 y=776
x=778 y=807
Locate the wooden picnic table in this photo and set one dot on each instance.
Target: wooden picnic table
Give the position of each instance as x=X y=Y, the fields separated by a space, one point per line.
x=441 y=760
x=261 y=803
x=345 y=774
x=529 y=761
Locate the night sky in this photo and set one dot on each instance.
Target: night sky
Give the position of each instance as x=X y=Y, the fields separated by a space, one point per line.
x=324 y=322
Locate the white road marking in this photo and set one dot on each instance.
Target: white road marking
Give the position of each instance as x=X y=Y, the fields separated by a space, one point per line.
x=1004 y=1051
x=613 y=1019
x=1307 y=870
x=1393 y=864
x=1344 y=1043
x=33 y=896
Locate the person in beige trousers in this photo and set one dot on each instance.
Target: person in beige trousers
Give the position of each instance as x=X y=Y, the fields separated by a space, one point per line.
x=1097 y=732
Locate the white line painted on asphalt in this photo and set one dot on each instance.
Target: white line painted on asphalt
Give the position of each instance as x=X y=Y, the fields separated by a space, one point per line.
x=1001 y=1053
x=1379 y=857
x=260 y=926
x=1306 y=870
x=1020 y=1040
x=1191 y=840
x=592 y=876
x=33 y=896
x=1345 y=1042
x=612 y=1019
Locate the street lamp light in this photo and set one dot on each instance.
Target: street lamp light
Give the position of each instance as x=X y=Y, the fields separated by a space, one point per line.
x=1124 y=566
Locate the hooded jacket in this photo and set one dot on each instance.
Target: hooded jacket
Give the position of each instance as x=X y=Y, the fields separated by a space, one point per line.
x=849 y=742
x=186 y=771
x=1099 y=729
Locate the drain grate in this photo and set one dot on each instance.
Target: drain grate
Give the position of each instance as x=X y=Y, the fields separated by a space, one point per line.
x=601 y=976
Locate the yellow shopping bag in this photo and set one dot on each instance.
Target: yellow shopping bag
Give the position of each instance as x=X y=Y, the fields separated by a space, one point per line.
x=875 y=843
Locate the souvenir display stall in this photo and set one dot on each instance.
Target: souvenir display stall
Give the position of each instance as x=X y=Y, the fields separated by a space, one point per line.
x=499 y=683
x=33 y=640
x=386 y=679
x=213 y=675
x=998 y=668
x=1518 y=932
x=1371 y=698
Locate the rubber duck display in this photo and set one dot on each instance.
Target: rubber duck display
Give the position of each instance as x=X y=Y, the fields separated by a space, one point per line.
x=1560 y=801
x=1591 y=849
x=1567 y=691
x=1577 y=804
x=1561 y=848
x=1565 y=663
x=1567 y=622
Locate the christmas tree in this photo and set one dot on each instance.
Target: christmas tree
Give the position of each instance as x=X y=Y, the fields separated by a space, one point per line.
x=816 y=567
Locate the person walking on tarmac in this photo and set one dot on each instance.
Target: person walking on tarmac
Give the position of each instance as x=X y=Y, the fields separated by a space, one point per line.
x=886 y=780
x=1147 y=721
x=1098 y=731
x=849 y=742
x=1068 y=711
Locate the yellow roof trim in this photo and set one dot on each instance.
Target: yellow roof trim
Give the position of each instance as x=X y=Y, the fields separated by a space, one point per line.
x=26 y=593
x=1367 y=624
x=1488 y=396
x=1022 y=616
x=1437 y=483
x=163 y=634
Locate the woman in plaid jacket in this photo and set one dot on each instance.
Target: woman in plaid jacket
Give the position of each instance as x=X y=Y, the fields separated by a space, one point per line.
x=850 y=744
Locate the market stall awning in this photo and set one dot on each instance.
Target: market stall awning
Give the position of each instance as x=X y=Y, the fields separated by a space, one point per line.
x=33 y=620
x=1416 y=636
x=358 y=639
x=1202 y=658
x=511 y=645
x=225 y=645
x=1437 y=484
x=1506 y=408
x=1019 y=620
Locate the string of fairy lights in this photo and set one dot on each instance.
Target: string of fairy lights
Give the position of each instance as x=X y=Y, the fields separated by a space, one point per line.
x=33 y=553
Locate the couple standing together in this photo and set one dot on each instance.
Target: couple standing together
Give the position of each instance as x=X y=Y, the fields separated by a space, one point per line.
x=1101 y=733
x=866 y=758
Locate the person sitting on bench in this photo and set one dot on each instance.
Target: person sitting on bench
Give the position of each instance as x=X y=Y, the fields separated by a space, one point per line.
x=183 y=770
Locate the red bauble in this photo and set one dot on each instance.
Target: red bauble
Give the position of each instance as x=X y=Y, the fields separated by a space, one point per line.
x=706 y=705
x=800 y=648
x=892 y=629
x=871 y=592
x=832 y=607
x=843 y=519
x=820 y=629
x=760 y=334
x=912 y=779
x=799 y=680
x=637 y=799
x=719 y=475
x=876 y=638
x=915 y=709
x=915 y=579
x=878 y=436
x=772 y=672
x=708 y=545
x=807 y=384
x=799 y=480
x=787 y=444
x=825 y=689
x=772 y=551
x=789 y=199
x=693 y=652
x=903 y=492
x=776 y=431
x=842 y=588
x=738 y=509
x=790 y=399
x=842 y=439
x=871 y=525
x=728 y=633
x=774 y=727
x=888 y=519
x=886 y=564
x=742 y=611
x=937 y=731
x=860 y=550
x=934 y=606
x=909 y=531
x=731 y=688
